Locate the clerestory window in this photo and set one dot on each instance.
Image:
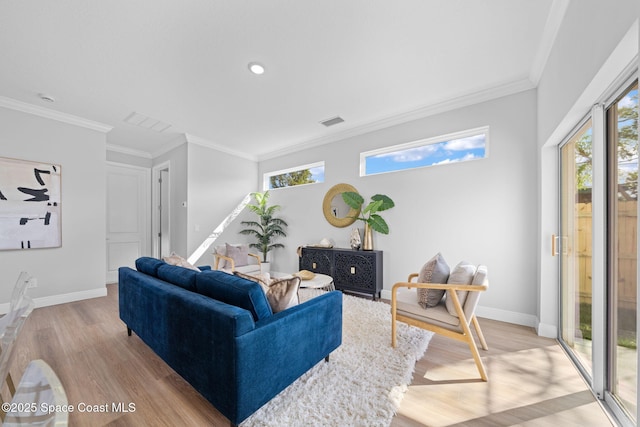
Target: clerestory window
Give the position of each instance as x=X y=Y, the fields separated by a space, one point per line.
x=457 y=147
x=298 y=175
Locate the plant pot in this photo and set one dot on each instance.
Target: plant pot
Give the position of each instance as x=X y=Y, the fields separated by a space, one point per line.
x=265 y=267
x=367 y=244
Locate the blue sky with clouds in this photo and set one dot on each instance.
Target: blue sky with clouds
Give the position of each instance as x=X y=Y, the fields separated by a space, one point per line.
x=456 y=150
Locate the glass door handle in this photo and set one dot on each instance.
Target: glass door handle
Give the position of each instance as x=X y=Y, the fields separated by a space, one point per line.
x=558 y=242
x=554 y=245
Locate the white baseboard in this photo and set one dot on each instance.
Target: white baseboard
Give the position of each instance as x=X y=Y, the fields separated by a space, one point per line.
x=63 y=298
x=385 y=294
x=507 y=316
x=494 y=314
x=546 y=330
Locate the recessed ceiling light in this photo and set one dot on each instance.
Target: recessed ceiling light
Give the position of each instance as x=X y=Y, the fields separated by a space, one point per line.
x=256 y=68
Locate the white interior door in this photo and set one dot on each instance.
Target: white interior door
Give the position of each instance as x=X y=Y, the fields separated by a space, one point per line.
x=128 y=213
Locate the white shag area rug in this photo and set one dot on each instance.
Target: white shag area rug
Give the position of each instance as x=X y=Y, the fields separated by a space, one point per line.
x=365 y=379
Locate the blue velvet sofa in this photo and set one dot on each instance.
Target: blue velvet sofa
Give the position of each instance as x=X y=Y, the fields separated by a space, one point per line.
x=218 y=332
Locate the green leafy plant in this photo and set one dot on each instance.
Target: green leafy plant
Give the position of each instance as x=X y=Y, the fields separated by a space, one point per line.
x=267 y=228
x=369 y=214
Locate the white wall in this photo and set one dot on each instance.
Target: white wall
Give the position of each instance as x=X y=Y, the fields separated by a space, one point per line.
x=77 y=269
x=128 y=159
x=217 y=182
x=482 y=211
x=590 y=32
x=594 y=45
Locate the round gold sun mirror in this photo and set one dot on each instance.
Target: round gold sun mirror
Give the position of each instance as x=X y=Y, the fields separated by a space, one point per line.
x=335 y=210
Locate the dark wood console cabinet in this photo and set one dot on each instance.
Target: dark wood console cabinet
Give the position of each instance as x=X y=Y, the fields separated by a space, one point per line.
x=358 y=272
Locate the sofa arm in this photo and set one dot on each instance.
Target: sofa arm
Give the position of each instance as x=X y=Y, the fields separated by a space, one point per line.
x=283 y=347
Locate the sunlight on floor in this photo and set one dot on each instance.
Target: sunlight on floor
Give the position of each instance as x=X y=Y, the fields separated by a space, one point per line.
x=536 y=386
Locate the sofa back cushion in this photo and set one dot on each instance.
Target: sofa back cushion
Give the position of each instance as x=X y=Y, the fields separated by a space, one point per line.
x=148 y=265
x=234 y=290
x=179 y=276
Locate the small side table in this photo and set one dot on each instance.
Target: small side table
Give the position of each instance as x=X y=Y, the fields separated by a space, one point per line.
x=319 y=281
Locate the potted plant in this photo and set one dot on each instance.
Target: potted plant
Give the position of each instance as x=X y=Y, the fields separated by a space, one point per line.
x=267 y=228
x=372 y=220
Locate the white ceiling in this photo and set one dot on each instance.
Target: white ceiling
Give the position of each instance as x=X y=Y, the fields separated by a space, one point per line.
x=372 y=62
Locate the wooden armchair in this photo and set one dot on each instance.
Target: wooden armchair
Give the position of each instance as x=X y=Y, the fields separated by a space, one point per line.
x=223 y=261
x=438 y=319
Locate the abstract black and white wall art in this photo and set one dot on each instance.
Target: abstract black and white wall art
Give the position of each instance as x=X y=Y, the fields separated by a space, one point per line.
x=30 y=205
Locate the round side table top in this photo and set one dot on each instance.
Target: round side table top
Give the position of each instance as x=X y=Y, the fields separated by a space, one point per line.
x=318 y=281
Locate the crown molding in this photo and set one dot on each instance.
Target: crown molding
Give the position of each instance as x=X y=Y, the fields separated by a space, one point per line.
x=206 y=143
x=14 y=104
x=128 y=151
x=416 y=114
x=180 y=140
x=549 y=34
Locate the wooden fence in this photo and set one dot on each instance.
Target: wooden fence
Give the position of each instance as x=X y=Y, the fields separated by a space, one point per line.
x=627 y=221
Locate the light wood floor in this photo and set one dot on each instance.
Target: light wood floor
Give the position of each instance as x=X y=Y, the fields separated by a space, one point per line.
x=531 y=381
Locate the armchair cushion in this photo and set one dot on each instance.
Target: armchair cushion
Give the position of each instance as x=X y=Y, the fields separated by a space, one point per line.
x=438 y=314
x=479 y=279
x=239 y=254
x=462 y=274
x=436 y=270
x=248 y=269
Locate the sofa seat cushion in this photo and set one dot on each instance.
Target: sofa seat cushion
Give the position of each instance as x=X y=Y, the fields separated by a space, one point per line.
x=149 y=265
x=234 y=290
x=179 y=276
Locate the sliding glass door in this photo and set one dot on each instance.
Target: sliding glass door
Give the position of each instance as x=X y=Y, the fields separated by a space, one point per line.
x=622 y=148
x=574 y=244
x=598 y=248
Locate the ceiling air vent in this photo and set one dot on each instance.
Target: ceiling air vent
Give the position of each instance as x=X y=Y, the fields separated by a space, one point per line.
x=332 y=121
x=146 y=122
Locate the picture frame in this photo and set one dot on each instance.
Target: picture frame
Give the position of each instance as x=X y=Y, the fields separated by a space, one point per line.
x=30 y=204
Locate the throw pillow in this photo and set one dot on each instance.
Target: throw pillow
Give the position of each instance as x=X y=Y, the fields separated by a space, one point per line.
x=436 y=270
x=281 y=293
x=462 y=274
x=263 y=279
x=175 y=259
x=239 y=254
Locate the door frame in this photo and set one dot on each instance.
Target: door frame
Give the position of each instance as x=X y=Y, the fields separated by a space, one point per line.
x=155 y=200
